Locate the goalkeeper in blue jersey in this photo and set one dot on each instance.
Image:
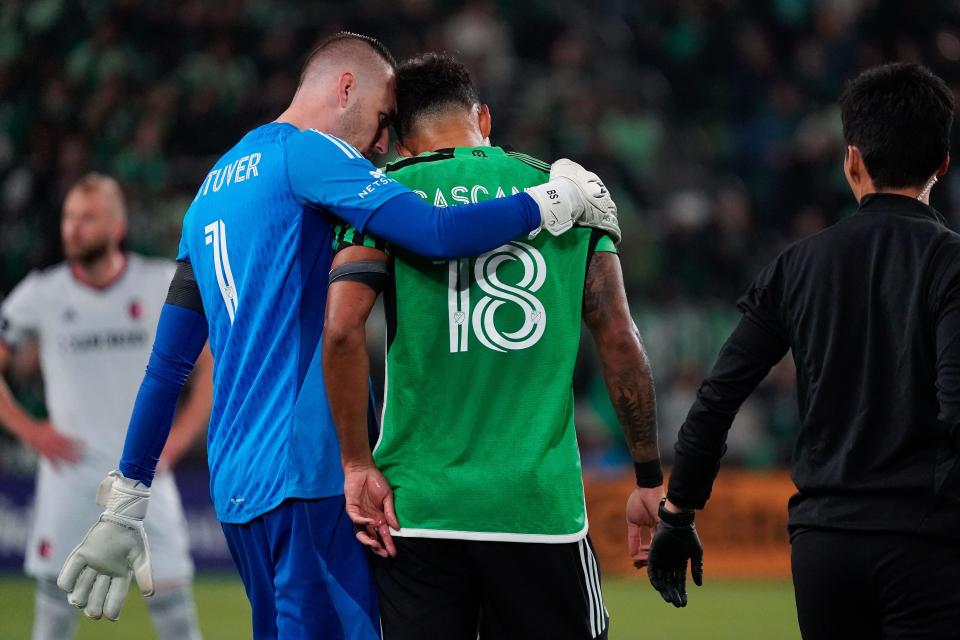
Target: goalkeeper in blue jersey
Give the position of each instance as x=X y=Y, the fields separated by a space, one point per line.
x=252 y=275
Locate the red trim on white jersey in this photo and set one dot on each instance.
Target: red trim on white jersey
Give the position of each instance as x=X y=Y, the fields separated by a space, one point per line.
x=79 y=276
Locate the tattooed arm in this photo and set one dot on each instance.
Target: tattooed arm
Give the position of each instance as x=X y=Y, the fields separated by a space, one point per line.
x=626 y=369
x=629 y=380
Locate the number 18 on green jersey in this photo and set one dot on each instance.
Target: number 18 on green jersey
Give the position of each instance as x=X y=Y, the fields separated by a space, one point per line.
x=477 y=437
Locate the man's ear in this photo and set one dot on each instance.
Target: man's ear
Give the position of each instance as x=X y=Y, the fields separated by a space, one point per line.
x=346 y=85
x=485 y=123
x=943 y=167
x=402 y=151
x=853 y=169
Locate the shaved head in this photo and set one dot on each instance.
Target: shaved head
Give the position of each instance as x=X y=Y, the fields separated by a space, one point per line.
x=348 y=89
x=346 y=50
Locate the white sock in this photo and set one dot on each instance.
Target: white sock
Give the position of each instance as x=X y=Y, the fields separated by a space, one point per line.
x=174 y=614
x=53 y=617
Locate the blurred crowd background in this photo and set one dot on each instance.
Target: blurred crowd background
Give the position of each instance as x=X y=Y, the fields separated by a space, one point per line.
x=713 y=122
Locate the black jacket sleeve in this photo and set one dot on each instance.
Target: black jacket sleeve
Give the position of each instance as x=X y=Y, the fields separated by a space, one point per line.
x=756 y=344
x=947 y=336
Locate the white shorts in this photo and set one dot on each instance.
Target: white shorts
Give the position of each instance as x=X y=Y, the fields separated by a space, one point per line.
x=65 y=508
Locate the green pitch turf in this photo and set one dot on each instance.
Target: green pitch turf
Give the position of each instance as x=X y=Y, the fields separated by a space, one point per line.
x=719 y=610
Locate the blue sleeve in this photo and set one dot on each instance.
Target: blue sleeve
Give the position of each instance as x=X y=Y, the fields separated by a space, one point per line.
x=453 y=232
x=181 y=335
x=182 y=252
x=326 y=172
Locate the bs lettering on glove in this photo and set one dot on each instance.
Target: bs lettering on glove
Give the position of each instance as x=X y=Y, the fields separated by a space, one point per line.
x=574 y=195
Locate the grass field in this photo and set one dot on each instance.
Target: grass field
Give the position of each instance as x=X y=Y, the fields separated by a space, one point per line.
x=719 y=610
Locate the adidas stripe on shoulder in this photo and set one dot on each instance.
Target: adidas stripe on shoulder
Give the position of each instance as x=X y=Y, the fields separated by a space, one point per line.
x=530 y=160
x=347 y=149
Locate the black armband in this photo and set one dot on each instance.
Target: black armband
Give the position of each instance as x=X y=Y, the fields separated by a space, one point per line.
x=649 y=474
x=373 y=273
x=184 y=291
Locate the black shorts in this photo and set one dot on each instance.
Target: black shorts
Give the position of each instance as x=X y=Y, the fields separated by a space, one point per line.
x=872 y=585
x=455 y=589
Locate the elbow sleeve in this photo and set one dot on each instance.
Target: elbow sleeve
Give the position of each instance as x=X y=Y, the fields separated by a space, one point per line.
x=181 y=334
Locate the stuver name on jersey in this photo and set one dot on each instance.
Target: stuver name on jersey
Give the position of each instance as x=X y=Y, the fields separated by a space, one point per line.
x=239 y=170
x=465 y=195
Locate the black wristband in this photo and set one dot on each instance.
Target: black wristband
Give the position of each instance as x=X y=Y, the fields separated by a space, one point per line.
x=680 y=519
x=649 y=474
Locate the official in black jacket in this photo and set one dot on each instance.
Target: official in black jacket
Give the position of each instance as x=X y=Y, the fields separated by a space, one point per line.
x=870 y=309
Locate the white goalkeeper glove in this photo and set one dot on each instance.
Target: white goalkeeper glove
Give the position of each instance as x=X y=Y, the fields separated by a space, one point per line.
x=97 y=573
x=575 y=195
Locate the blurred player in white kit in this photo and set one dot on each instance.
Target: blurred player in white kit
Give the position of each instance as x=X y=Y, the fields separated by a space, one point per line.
x=94 y=317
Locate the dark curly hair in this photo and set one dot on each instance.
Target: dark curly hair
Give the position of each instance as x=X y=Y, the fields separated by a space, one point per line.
x=428 y=84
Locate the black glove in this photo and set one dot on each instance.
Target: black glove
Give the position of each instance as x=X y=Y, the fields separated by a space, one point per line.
x=673 y=544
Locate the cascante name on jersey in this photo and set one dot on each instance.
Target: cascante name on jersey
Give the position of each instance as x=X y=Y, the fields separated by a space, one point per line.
x=239 y=170
x=97 y=340
x=465 y=195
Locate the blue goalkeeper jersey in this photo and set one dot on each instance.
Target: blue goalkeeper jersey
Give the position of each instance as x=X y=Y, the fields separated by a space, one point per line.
x=259 y=237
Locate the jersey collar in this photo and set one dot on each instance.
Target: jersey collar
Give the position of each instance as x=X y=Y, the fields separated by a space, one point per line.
x=898 y=204
x=82 y=279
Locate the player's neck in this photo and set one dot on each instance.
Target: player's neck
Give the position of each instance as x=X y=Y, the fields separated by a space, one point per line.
x=297 y=120
x=304 y=116
x=866 y=187
x=908 y=192
x=449 y=136
x=294 y=117
x=102 y=272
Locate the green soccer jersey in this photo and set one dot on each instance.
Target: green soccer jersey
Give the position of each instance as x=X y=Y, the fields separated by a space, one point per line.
x=477 y=437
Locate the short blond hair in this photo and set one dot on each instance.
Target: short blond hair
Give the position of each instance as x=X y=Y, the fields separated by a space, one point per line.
x=105 y=184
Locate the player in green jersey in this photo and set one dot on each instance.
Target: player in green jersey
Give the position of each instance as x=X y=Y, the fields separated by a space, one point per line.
x=479 y=514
